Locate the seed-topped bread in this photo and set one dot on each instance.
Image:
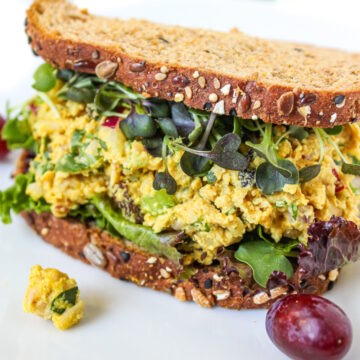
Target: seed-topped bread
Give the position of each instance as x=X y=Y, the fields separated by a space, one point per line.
x=228 y=73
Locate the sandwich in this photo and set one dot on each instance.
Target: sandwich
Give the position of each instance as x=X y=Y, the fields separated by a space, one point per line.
x=217 y=167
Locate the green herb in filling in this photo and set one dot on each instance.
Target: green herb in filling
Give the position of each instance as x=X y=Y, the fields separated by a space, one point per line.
x=64 y=300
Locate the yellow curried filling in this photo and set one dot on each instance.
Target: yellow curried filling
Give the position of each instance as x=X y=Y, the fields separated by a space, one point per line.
x=212 y=214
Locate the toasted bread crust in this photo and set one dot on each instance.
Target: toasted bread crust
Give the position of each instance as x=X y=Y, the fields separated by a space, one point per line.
x=249 y=97
x=209 y=286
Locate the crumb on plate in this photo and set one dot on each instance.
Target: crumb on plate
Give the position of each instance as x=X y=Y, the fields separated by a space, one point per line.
x=52 y=295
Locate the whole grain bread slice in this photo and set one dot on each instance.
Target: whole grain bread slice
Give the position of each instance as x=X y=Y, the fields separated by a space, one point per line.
x=228 y=73
x=223 y=284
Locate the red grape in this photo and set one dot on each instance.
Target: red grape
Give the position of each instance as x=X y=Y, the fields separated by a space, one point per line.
x=307 y=326
x=111 y=122
x=3 y=147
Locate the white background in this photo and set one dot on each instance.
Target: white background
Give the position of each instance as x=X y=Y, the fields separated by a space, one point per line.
x=121 y=320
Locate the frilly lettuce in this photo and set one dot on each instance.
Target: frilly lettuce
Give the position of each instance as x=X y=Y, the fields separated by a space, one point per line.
x=16 y=199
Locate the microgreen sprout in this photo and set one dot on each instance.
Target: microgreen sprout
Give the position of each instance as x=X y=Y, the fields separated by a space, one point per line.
x=50 y=103
x=346 y=167
x=163 y=180
x=308 y=173
x=273 y=174
x=44 y=78
x=225 y=153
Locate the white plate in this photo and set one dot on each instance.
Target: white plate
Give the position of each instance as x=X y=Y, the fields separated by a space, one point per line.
x=122 y=320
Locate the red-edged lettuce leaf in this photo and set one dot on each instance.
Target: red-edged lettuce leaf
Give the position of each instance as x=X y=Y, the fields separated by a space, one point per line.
x=331 y=245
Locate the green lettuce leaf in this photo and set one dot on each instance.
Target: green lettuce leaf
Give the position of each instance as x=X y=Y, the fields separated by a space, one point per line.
x=44 y=78
x=140 y=235
x=264 y=259
x=89 y=213
x=17 y=134
x=15 y=198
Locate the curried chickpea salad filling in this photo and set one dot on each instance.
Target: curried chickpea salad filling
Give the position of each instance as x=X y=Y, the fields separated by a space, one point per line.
x=178 y=182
